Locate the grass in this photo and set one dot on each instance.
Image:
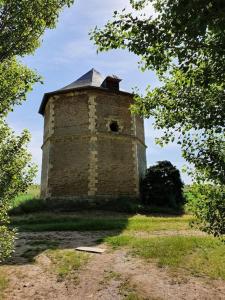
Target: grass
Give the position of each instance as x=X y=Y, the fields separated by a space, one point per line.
x=33 y=192
x=109 y=276
x=198 y=255
x=132 y=296
x=3 y=284
x=69 y=222
x=30 y=202
x=66 y=263
x=128 y=291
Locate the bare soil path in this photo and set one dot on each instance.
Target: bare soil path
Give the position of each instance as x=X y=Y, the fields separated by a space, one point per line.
x=113 y=275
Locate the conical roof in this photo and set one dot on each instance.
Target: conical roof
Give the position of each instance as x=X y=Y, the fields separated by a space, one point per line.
x=91 y=78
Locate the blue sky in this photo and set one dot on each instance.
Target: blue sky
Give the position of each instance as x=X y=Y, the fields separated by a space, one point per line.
x=67 y=53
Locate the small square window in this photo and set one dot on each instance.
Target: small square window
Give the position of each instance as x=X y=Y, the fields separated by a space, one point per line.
x=114 y=126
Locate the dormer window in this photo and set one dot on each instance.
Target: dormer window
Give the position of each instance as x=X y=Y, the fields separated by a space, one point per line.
x=112 y=83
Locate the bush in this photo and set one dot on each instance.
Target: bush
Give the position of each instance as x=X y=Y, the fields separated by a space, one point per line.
x=16 y=174
x=208 y=205
x=6 y=242
x=162 y=186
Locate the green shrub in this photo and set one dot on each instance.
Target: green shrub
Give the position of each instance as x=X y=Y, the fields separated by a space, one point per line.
x=162 y=186
x=6 y=242
x=16 y=174
x=208 y=205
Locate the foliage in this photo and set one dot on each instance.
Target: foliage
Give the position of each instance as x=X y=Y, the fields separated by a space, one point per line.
x=16 y=170
x=162 y=186
x=184 y=42
x=22 y=23
x=7 y=237
x=207 y=202
x=16 y=80
x=16 y=175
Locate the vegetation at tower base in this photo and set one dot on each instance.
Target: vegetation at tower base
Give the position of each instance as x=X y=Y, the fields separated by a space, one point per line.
x=22 y=23
x=184 y=42
x=162 y=186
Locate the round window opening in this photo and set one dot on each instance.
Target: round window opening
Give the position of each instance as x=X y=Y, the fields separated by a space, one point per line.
x=114 y=127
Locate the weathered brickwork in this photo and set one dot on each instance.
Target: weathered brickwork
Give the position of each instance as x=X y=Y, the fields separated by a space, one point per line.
x=45 y=168
x=69 y=175
x=93 y=153
x=83 y=155
x=115 y=168
x=140 y=129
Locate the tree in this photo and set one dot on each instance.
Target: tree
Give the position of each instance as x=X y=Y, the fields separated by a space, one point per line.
x=185 y=44
x=207 y=202
x=22 y=23
x=16 y=80
x=162 y=186
x=16 y=174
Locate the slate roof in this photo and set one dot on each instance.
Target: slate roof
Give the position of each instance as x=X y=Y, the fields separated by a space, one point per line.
x=91 y=80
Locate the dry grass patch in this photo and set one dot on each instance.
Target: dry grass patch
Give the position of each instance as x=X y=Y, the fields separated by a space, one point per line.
x=129 y=292
x=3 y=283
x=66 y=263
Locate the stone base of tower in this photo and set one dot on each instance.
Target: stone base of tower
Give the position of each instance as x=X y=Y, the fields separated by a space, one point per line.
x=68 y=204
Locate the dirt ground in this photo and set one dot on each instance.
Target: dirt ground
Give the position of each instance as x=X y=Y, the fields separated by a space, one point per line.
x=111 y=275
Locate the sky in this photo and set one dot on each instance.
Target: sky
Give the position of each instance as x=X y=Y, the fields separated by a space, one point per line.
x=65 y=54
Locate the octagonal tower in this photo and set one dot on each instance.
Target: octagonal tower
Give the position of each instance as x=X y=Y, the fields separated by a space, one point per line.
x=93 y=146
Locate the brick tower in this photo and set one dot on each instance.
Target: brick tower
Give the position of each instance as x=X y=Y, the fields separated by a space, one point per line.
x=93 y=147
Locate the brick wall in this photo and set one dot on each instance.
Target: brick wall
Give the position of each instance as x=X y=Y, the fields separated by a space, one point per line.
x=82 y=156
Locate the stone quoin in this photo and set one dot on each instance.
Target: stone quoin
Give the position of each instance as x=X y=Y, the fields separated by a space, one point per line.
x=93 y=146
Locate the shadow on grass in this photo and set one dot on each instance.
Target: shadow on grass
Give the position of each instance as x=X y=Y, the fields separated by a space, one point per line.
x=31 y=244
x=116 y=205
x=67 y=224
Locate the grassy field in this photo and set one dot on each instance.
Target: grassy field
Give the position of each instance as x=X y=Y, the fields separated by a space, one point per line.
x=83 y=222
x=199 y=255
x=165 y=240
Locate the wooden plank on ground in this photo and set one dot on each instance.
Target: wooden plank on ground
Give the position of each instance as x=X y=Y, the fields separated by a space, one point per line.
x=91 y=249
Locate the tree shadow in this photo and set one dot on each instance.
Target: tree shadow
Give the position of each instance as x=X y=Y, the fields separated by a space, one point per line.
x=45 y=225
x=40 y=232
